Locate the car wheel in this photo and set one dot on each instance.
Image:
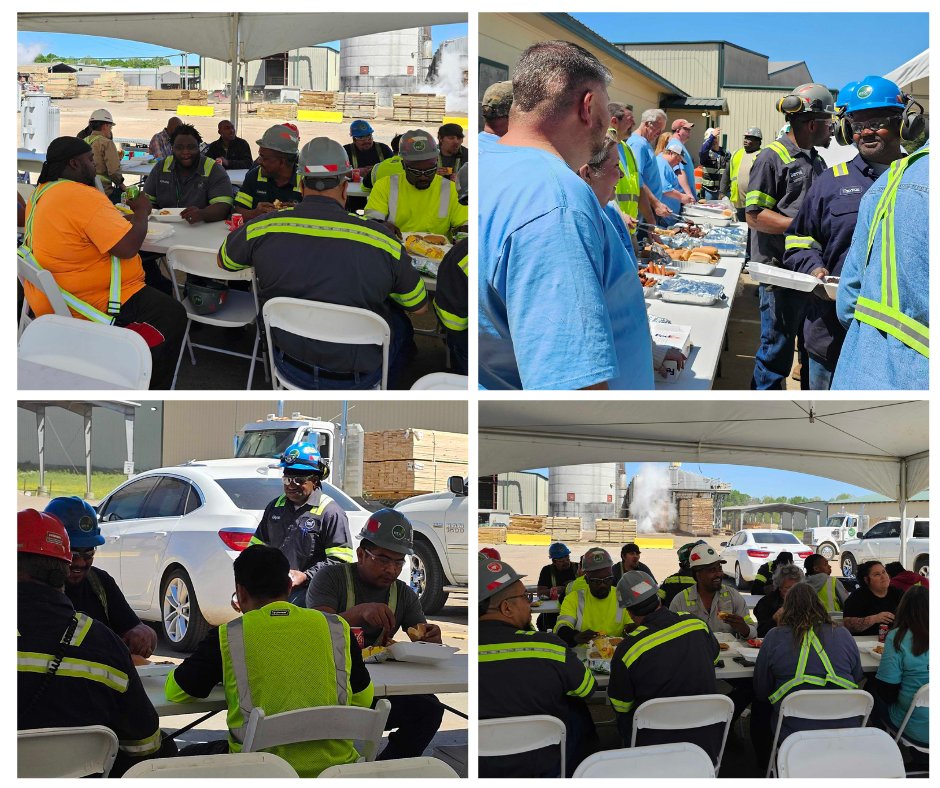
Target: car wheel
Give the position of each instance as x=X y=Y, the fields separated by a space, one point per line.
x=922 y=566
x=849 y=566
x=739 y=582
x=827 y=551
x=183 y=623
x=427 y=578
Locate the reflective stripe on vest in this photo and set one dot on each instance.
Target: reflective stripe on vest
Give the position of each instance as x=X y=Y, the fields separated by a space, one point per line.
x=760 y=199
x=498 y=652
x=392 y=600
x=378 y=152
x=886 y=315
x=36 y=662
x=733 y=166
x=801 y=677
x=457 y=323
x=840 y=169
x=580 y=614
x=677 y=630
x=393 y=190
x=627 y=189
x=83 y=308
x=828 y=596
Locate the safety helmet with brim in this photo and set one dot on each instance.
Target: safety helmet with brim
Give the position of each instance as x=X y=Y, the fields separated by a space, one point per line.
x=703 y=555
x=281 y=138
x=302 y=458
x=635 y=588
x=80 y=520
x=103 y=116
x=41 y=533
x=596 y=558
x=324 y=162
x=493 y=577
x=389 y=529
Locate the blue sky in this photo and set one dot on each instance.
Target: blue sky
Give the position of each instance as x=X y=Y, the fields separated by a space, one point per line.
x=759 y=482
x=824 y=40
x=67 y=45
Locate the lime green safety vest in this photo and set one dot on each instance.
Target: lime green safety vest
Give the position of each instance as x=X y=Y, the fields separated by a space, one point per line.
x=733 y=167
x=378 y=152
x=86 y=310
x=627 y=190
x=383 y=169
x=828 y=596
x=581 y=610
x=351 y=602
x=810 y=639
x=886 y=314
x=760 y=199
x=281 y=658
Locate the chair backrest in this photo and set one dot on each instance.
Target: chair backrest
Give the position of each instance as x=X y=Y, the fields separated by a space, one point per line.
x=921 y=699
x=827 y=704
x=328 y=323
x=45 y=282
x=233 y=764
x=682 y=759
x=388 y=770
x=316 y=724
x=202 y=262
x=25 y=190
x=107 y=353
x=65 y=752
x=441 y=381
x=683 y=713
x=510 y=735
x=845 y=752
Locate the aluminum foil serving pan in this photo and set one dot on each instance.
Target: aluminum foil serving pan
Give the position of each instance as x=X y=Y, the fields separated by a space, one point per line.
x=680 y=290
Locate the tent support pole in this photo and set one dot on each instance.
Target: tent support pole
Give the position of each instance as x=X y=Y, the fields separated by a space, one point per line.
x=903 y=500
x=233 y=57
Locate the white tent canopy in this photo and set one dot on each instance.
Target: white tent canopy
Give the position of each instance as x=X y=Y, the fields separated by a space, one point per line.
x=879 y=445
x=916 y=68
x=233 y=37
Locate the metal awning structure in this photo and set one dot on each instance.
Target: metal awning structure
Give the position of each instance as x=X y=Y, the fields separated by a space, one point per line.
x=738 y=512
x=84 y=409
x=880 y=445
x=233 y=37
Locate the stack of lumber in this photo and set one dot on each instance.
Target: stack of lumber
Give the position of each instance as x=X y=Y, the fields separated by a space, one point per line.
x=61 y=85
x=563 y=529
x=696 y=516
x=88 y=91
x=526 y=524
x=419 y=107
x=111 y=87
x=277 y=110
x=400 y=463
x=164 y=99
x=195 y=98
x=356 y=105
x=488 y=535
x=317 y=99
x=615 y=531
x=137 y=92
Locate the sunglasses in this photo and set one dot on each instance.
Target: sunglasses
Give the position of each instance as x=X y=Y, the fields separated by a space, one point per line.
x=419 y=173
x=601 y=581
x=875 y=124
x=298 y=481
x=384 y=560
x=84 y=554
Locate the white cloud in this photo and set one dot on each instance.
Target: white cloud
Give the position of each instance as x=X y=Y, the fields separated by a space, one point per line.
x=27 y=53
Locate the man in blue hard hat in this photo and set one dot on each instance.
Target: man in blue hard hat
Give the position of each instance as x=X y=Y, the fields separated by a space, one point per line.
x=364 y=153
x=304 y=523
x=870 y=115
x=553 y=578
x=92 y=590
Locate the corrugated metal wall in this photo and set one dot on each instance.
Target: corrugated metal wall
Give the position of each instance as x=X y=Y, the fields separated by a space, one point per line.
x=691 y=67
x=314 y=68
x=522 y=493
x=206 y=429
x=880 y=511
x=791 y=77
x=751 y=107
x=503 y=37
x=743 y=67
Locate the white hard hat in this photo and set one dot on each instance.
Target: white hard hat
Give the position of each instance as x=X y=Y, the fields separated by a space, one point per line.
x=102 y=115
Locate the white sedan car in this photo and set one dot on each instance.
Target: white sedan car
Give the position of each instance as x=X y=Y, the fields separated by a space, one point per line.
x=171 y=535
x=747 y=550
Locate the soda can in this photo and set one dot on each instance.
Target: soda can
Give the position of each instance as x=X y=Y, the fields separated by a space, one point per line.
x=882 y=632
x=130 y=193
x=356 y=176
x=359 y=635
x=219 y=161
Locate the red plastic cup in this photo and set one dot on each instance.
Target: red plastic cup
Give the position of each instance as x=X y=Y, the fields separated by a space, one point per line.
x=356 y=176
x=359 y=635
x=882 y=632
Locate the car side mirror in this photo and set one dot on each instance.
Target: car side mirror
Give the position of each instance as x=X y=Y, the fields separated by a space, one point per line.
x=457 y=485
x=723 y=544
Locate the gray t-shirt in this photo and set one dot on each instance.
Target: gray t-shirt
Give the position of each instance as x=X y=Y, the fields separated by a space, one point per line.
x=328 y=589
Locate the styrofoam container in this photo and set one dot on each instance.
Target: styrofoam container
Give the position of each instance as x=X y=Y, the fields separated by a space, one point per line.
x=781 y=277
x=167 y=215
x=694 y=268
x=831 y=283
x=425 y=653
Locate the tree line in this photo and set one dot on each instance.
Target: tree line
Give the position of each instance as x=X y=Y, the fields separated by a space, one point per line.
x=738 y=498
x=120 y=62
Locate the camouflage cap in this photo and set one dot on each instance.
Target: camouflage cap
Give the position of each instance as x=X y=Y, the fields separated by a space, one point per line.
x=497 y=99
x=417 y=145
x=596 y=558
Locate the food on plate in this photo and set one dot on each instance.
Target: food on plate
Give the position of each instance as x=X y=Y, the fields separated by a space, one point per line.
x=723 y=646
x=659 y=270
x=700 y=257
x=416 y=245
x=755 y=642
x=418 y=632
x=535 y=603
x=709 y=250
x=279 y=204
x=605 y=646
x=727 y=213
x=373 y=651
x=879 y=649
x=431 y=238
x=165 y=212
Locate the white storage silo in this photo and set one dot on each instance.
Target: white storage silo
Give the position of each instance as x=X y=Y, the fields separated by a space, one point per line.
x=383 y=63
x=585 y=491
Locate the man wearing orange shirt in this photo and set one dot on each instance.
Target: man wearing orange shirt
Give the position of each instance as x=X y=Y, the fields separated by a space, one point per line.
x=74 y=231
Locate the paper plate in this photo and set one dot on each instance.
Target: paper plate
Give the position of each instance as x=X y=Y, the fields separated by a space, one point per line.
x=157 y=231
x=748 y=653
x=158 y=669
x=875 y=654
x=426 y=653
x=167 y=214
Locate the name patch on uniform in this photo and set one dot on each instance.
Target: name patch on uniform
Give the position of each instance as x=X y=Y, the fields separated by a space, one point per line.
x=280 y=612
x=850 y=190
x=796 y=175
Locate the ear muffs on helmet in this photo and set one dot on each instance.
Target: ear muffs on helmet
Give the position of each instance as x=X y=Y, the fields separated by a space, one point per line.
x=913 y=123
x=790 y=104
x=844 y=135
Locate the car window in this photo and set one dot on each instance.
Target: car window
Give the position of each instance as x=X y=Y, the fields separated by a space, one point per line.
x=877 y=531
x=193 y=500
x=168 y=499
x=252 y=493
x=127 y=503
x=779 y=537
x=344 y=502
x=893 y=530
x=738 y=539
x=921 y=530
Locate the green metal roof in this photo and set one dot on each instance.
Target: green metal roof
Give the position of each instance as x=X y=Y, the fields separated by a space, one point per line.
x=924 y=495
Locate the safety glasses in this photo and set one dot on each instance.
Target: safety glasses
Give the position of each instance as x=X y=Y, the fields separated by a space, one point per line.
x=85 y=555
x=875 y=124
x=298 y=481
x=421 y=173
x=600 y=581
x=384 y=560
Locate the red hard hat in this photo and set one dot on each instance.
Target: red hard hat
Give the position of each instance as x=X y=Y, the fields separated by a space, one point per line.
x=490 y=552
x=41 y=533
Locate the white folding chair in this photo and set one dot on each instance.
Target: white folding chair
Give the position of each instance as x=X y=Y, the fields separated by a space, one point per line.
x=511 y=735
x=921 y=700
x=109 y=354
x=681 y=759
x=65 y=752
x=45 y=282
x=843 y=752
x=685 y=712
x=441 y=381
x=325 y=322
x=240 y=309
x=365 y=726
x=391 y=770
x=227 y=765
x=25 y=190
x=821 y=704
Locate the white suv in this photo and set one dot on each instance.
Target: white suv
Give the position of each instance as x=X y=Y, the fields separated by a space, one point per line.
x=882 y=542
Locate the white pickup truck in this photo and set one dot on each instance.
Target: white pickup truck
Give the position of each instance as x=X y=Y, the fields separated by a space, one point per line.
x=882 y=542
x=439 y=564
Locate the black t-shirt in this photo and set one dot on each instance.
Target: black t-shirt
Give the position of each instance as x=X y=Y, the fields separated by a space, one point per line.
x=368 y=158
x=456 y=161
x=764 y=612
x=640 y=567
x=862 y=602
x=238 y=153
x=561 y=578
x=85 y=598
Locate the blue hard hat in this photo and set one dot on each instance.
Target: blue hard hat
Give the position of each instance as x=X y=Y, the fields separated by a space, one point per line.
x=360 y=128
x=558 y=550
x=303 y=457
x=80 y=520
x=870 y=92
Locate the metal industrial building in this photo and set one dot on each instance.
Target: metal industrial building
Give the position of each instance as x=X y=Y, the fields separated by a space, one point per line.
x=879 y=508
x=518 y=492
x=307 y=68
x=174 y=431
